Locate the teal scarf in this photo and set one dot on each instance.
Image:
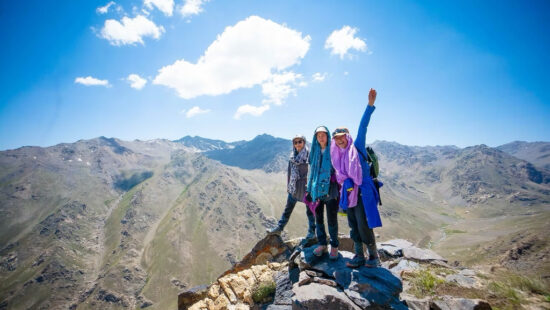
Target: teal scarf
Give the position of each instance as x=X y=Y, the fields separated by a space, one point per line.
x=318 y=182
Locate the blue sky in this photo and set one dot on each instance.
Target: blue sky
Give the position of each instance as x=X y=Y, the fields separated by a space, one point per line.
x=462 y=73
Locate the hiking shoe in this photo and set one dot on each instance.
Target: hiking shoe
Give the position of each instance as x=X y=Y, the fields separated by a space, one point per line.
x=275 y=230
x=356 y=262
x=333 y=253
x=373 y=262
x=320 y=250
x=310 y=235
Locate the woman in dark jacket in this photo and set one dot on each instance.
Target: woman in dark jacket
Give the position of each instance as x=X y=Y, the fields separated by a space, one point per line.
x=296 y=185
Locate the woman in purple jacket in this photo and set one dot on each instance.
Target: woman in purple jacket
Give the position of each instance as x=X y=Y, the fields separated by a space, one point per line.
x=358 y=194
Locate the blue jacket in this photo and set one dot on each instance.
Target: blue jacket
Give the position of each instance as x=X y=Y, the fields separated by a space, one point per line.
x=369 y=194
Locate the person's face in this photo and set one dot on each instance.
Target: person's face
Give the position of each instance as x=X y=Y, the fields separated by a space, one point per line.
x=298 y=144
x=322 y=138
x=341 y=141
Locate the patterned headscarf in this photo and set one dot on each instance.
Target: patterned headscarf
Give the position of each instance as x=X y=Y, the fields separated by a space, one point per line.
x=348 y=166
x=296 y=158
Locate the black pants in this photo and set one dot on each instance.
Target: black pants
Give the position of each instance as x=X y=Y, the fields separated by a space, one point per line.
x=360 y=232
x=290 y=204
x=332 y=221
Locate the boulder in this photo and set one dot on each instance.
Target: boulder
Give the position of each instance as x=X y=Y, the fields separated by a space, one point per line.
x=318 y=296
x=191 y=296
x=269 y=249
x=416 y=303
x=304 y=279
x=404 y=265
x=324 y=281
x=457 y=303
x=423 y=255
x=393 y=248
x=283 y=288
x=278 y=307
x=461 y=280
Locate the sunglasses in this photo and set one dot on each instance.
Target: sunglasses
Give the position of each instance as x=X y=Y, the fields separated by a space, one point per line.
x=340 y=130
x=299 y=142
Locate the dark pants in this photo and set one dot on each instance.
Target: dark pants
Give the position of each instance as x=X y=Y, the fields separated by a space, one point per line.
x=290 y=204
x=360 y=232
x=332 y=220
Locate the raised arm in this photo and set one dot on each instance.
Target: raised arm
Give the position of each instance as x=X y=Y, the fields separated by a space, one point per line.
x=362 y=130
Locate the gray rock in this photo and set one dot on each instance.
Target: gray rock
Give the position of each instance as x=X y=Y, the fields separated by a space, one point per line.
x=394 y=248
x=278 y=307
x=283 y=288
x=404 y=265
x=419 y=254
x=399 y=243
x=456 y=303
x=441 y=264
x=325 y=281
x=304 y=279
x=416 y=303
x=346 y=244
x=467 y=272
x=461 y=280
x=318 y=296
x=313 y=273
x=191 y=296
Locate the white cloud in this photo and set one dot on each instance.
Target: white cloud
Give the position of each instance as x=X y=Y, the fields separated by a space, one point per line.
x=252 y=110
x=244 y=55
x=195 y=111
x=192 y=7
x=165 y=6
x=91 y=81
x=319 y=77
x=130 y=31
x=104 y=9
x=280 y=86
x=136 y=81
x=341 y=41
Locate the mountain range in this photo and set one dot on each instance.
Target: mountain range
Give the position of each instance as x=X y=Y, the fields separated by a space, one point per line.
x=106 y=223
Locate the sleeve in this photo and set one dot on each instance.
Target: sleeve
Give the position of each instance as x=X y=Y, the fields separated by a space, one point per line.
x=362 y=131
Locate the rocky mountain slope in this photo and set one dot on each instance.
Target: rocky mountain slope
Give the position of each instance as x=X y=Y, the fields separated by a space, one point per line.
x=537 y=153
x=112 y=224
x=263 y=152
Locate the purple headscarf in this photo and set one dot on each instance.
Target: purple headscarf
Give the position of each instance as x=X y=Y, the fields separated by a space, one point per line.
x=347 y=165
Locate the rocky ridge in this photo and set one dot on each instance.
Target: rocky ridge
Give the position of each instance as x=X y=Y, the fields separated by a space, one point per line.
x=409 y=278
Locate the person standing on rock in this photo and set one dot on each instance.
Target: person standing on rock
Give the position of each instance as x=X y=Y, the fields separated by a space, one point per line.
x=358 y=194
x=322 y=188
x=296 y=185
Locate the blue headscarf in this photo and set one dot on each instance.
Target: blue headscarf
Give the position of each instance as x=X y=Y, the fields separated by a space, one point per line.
x=318 y=182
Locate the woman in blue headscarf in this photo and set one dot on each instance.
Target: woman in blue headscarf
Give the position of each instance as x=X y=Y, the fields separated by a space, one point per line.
x=322 y=188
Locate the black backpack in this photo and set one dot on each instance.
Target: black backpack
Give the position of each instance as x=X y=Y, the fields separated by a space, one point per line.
x=374 y=169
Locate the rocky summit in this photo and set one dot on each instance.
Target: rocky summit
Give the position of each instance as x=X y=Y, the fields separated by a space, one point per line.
x=279 y=275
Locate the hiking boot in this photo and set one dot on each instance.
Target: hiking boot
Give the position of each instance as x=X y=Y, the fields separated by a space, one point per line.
x=373 y=262
x=356 y=262
x=275 y=230
x=320 y=250
x=333 y=253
